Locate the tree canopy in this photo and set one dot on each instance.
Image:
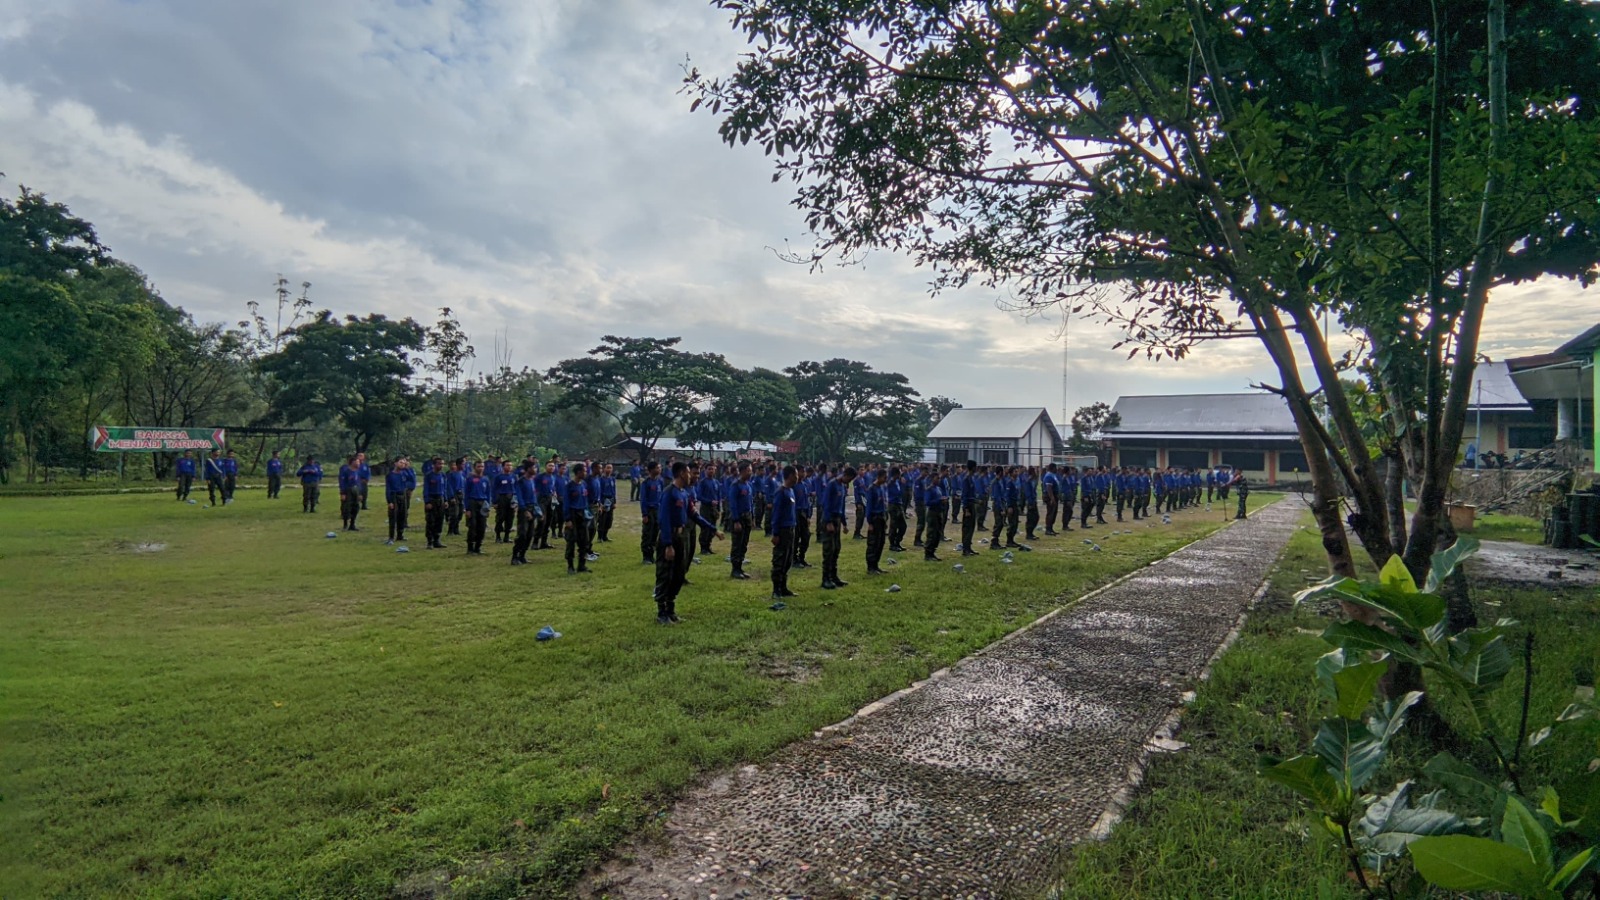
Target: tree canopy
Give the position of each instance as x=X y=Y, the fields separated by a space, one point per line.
x=1197 y=171
x=647 y=385
x=845 y=403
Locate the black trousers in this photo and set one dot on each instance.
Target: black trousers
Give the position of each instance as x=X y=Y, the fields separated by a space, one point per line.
x=433 y=519
x=1052 y=507
x=603 y=523
x=897 y=524
x=452 y=514
x=309 y=493
x=861 y=516
x=669 y=575
x=229 y=482
x=213 y=488
x=920 y=535
x=969 y=525
x=633 y=488
x=525 y=526
x=1242 y=495
x=274 y=485
x=185 y=482
x=399 y=514
x=782 y=558
x=648 y=536
x=741 y=543
x=477 y=523
x=830 y=550
x=350 y=507
x=578 y=541
x=802 y=537
x=995 y=542
x=503 y=518
x=550 y=522
x=1032 y=518
x=709 y=511
x=933 y=534
x=877 y=531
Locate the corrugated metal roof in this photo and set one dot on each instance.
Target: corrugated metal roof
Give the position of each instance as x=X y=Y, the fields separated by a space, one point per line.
x=1493 y=388
x=993 y=422
x=1210 y=414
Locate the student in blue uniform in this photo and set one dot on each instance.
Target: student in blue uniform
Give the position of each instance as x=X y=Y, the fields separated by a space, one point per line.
x=230 y=476
x=212 y=472
x=919 y=504
x=674 y=514
x=805 y=502
x=529 y=511
x=608 y=504
x=650 y=511
x=548 y=486
x=933 y=504
x=592 y=481
x=858 y=487
x=435 y=495
x=741 y=521
x=184 y=469
x=363 y=478
x=1050 y=487
x=310 y=484
x=577 y=514
x=477 y=494
x=397 y=487
x=876 y=509
x=455 y=495
x=709 y=494
x=970 y=498
x=504 y=484
x=784 y=522
x=349 y=493
x=835 y=494
x=635 y=472
x=274 y=476
x=897 y=488
x=1030 y=502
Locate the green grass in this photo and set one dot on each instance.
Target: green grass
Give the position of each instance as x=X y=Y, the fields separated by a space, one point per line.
x=1204 y=824
x=258 y=711
x=1508 y=527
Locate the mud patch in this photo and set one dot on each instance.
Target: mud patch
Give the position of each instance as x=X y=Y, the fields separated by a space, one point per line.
x=1524 y=564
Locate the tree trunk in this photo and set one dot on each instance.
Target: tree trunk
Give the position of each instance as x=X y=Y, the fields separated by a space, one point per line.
x=1395 y=494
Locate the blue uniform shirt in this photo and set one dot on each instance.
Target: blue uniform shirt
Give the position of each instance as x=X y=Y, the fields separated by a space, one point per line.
x=274 y=466
x=783 y=511
x=526 y=496
x=477 y=488
x=185 y=465
x=310 y=473
x=741 y=502
x=575 y=497
x=650 y=496
x=434 y=483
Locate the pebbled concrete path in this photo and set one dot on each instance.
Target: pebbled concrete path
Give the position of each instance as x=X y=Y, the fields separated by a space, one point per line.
x=972 y=783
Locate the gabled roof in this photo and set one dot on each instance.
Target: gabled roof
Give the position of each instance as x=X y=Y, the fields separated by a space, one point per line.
x=1209 y=414
x=1004 y=423
x=1494 y=390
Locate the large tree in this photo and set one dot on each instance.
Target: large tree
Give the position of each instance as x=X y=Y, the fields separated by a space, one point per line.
x=1089 y=421
x=648 y=386
x=1195 y=170
x=356 y=372
x=758 y=405
x=845 y=403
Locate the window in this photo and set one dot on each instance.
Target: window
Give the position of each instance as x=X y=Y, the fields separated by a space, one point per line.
x=955 y=455
x=1292 y=461
x=1527 y=437
x=1248 y=460
x=1189 y=459
x=1140 y=457
x=996 y=458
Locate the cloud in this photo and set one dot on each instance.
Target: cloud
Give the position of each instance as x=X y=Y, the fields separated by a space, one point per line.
x=530 y=165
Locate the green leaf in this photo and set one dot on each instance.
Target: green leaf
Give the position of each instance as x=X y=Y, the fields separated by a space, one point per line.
x=1569 y=873
x=1446 y=561
x=1308 y=777
x=1329 y=664
x=1479 y=656
x=1354 y=687
x=1396 y=576
x=1391 y=715
x=1337 y=585
x=1520 y=828
x=1350 y=750
x=1459 y=862
x=1359 y=637
x=1461 y=779
x=1391 y=823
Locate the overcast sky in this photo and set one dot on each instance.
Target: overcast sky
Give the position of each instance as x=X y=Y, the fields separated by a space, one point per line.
x=529 y=164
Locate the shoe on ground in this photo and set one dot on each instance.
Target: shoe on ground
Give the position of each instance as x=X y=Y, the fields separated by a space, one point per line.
x=673 y=618
x=931 y=559
x=663 y=620
x=828 y=585
x=841 y=584
x=571 y=571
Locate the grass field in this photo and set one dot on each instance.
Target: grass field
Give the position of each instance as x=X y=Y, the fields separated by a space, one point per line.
x=255 y=710
x=1204 y=818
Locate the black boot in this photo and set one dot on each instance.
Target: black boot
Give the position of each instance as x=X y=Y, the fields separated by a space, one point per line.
x=661 y=613
x=672 y=612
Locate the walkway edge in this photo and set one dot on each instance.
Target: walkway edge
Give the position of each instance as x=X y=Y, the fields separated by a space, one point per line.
x=885 y=701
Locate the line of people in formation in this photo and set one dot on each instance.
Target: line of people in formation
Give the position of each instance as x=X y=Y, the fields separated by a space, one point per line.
x=686 y=507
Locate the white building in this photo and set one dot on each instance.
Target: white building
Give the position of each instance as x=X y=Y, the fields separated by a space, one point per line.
x=997 y=436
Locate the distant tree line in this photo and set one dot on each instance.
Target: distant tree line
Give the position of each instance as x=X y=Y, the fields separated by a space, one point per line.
x=86 y=339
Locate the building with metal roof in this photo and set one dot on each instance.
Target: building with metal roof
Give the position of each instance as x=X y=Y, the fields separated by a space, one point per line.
x=1024 y=436
x=1253 y=432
